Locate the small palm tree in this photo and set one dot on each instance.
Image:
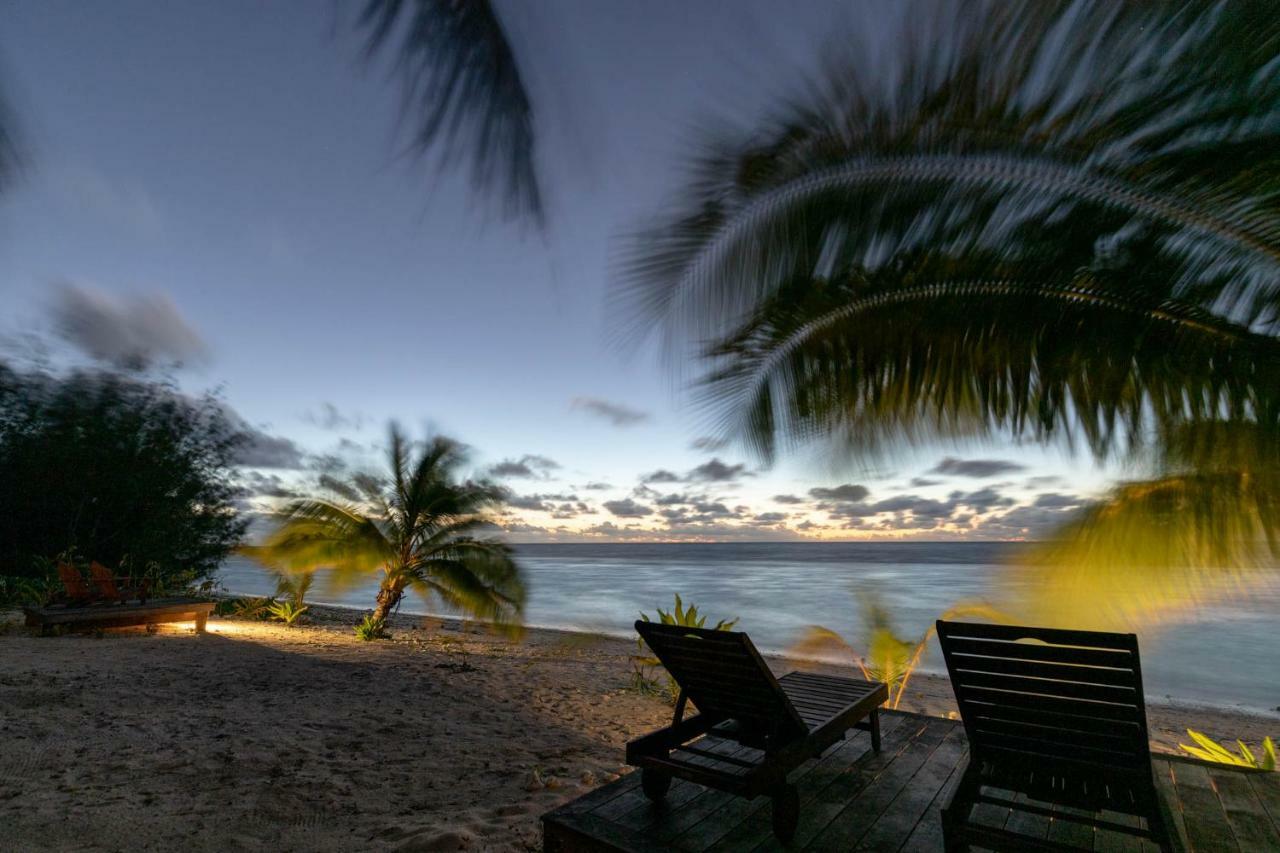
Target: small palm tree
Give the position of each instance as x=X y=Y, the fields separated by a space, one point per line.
x=419 y=530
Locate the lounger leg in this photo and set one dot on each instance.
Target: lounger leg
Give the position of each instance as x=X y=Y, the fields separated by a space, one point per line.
x=202 y=619
x=875 y=729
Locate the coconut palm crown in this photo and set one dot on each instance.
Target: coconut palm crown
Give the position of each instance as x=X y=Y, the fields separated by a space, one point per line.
x=421 y=529
x=1054 y=222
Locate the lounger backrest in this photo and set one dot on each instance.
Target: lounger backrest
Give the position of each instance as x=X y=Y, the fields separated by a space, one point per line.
x=1037 y=696
x=723 y=674
x=104 y=580
x=73 y=581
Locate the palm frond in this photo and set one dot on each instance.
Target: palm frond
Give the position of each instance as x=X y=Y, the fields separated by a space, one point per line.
x=462 y=91
x=316 y=534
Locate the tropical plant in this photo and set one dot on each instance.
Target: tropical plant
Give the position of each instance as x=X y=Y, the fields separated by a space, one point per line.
x=418 y=530
x=1210 y=750
x=644 y=665
x=1058 y=223
x=292 y=588
x=372 y=629
x=886 y=656
x=250 y=607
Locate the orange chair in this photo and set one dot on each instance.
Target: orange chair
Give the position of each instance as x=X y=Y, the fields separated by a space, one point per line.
x=78 y=592
x=122 y=592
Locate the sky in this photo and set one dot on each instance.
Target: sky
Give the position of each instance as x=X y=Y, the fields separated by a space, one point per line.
x=218 y=192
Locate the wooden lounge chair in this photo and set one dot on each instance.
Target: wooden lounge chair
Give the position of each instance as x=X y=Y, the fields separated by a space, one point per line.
x=120 y=589
x=78 y=592
x=779 y=722
x=1057 y=717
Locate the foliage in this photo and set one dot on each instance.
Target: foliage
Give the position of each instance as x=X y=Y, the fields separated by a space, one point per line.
x=18 y=591
x=126 y=472
x=288 y=611
x=461 y=81
x=1055 y=222
x=292 y=589
x=887 y=657
x=371 y=628
x=247 y=608
x=418 y=530
x=1209 y=750
x=644 y=666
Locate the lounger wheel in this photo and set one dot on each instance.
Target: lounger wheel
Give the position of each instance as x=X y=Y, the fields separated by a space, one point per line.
x=655 y=783
x=786 y=813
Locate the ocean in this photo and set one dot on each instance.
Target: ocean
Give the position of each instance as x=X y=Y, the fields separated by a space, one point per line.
x=1226 y=655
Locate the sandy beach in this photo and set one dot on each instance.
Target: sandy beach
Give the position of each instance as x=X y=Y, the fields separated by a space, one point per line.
x=260 y=737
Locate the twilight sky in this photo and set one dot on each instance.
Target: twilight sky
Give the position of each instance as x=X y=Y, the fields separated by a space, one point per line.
x=221 y=185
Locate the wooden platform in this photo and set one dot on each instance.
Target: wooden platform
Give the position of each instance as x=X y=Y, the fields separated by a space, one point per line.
x=852 y=799
x=95 y=616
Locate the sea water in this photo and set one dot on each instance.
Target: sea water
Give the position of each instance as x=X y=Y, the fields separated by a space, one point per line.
x=1223 y=655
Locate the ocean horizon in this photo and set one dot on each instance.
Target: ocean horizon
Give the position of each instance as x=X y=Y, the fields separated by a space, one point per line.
x=1216 y=656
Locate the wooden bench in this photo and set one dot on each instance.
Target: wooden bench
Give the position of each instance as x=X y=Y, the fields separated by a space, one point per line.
x=94 y=616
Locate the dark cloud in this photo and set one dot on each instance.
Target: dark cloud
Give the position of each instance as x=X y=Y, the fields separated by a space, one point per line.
x=716 y=471
x=339 y=487
x=662 y=475
x=848 y=493
x=771 y=517
x=329 y=417
x=708 y=444
x=627 y=508
x=132 y=333
x=788 y=499
x=616 y=413
x=921 y=482
x=596 y=487
x=672 y=499
x=530 y=466
x=1053 y=500
x=260 y=485
x=981 y=500
x=975 y=467
x=261 y=450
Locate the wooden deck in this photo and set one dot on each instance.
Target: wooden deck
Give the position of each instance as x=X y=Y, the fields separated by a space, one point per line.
x=108 y=615
x=853 y=799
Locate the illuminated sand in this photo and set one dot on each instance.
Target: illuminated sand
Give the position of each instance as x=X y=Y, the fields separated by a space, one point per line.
x=257 y=737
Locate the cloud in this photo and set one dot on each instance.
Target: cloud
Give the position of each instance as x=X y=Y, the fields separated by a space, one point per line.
x=260 y=485
x=770 y=517
x=922 y=482
x=616 y=413
x=662 y=475
x=132 y=332
x=717 y=472
x=709 y=444
x=975 y=467
x=339 y=487
x=1053 y=500
x=530 y=465
x=327 y=416
x=788 y=499
x=596 y=487
x=262 y=450
x=627 y=508
x=848 y=493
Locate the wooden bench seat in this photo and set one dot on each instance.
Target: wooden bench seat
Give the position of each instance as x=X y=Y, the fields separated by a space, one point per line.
x=109 y=615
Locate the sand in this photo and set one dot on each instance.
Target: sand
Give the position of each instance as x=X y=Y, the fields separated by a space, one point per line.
x=260 y=737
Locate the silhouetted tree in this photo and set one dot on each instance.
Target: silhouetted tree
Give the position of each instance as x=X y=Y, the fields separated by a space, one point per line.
x=115 y=468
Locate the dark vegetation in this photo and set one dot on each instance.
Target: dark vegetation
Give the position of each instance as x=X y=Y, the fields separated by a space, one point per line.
x=97 y=466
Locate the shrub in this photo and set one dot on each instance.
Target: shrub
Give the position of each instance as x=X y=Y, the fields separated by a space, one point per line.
x=117 y=468
x=372 y=629
x=292 y=589
x=1209 y=750
x=288 y=612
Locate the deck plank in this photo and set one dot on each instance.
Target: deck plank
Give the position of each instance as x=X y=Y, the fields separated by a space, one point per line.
x=1202 y=811
x=852 y=798
x=853 y=821
x=1245 y=813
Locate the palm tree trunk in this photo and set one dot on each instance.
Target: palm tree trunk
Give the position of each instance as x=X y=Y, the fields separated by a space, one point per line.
x=389 y=596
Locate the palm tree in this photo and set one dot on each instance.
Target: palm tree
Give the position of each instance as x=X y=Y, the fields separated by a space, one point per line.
x=1054 y=223
x=1059 y=223
x=419 y=530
